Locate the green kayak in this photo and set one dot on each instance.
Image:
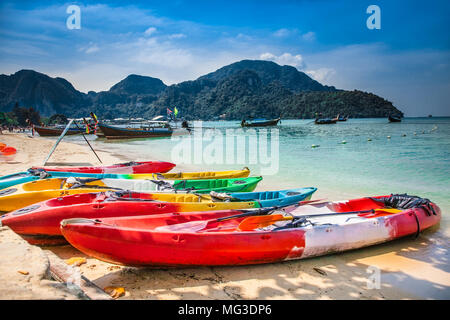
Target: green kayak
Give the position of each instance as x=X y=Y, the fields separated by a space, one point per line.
x=141 y=185
x=218 y=185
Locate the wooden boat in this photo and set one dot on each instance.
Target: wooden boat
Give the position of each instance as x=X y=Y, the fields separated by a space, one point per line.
x=260 y=123
x=325 y=121
x=394 y=119
x=113 y=132
x=307 y=231
x=55 y=131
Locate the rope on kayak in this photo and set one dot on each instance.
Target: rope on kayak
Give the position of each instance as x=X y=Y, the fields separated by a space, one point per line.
x=77 y=183
x=222 y=197
x=163 y=185
x=41 y=173
x=128 y=164
x=418 y=224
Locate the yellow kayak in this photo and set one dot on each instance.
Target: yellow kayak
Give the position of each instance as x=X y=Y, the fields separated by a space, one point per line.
x=195 y=175
x=28 y=193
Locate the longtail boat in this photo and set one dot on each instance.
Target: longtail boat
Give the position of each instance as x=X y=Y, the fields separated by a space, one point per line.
x=55 y=131
x=394 y=119
x=114 y=132
x=260 y=123
x=325 y=121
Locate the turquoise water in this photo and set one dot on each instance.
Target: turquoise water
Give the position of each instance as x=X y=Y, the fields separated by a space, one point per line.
x=415 y=160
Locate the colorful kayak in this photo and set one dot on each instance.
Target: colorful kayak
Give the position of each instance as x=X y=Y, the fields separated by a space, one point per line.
x=202 y=175
x=129 y=167
x=188 y=186
x=307 y=231
x=28 y=193
x=39 y=223
x=32 y=175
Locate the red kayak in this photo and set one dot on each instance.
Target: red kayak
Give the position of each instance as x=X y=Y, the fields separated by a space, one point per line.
x=39 y=223
x=7 y=151
x=122 y=168
x=308 y=231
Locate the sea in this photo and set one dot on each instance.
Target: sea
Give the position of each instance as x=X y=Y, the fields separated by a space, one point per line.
x=358 y=157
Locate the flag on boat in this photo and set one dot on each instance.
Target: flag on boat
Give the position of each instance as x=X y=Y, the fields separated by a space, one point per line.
x=169 y=111
x=94 y=117
x=175 y=111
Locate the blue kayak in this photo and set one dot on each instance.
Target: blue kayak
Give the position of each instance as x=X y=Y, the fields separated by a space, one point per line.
x=32 y=175
x=275 y=198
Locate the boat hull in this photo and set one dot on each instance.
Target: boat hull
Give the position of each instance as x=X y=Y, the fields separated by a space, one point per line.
x=23 y=177
x=131 y=167
x=42 y=219
x=111 y=132
x=261 y=123
x=39 y=223
x=325 y=121
x=394 y=119
x=55 y=132
x=153 y=240
x=200 y=175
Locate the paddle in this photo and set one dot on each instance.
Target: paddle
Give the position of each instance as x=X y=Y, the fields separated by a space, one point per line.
x=262 y=211
x=195 y=226
x=252 y=223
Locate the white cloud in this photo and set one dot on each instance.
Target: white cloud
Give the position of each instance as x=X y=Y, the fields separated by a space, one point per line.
x=309 y=36
x=322 y=74
x=177 y=36
x=281 y=33
x=92 y=49
x=150 y=31
x=285 y=59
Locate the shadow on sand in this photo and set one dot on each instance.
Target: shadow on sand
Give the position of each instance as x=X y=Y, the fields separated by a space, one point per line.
x=410 y=268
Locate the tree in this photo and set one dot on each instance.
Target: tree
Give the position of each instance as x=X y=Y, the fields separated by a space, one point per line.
x=57 y=118
x=23 y=115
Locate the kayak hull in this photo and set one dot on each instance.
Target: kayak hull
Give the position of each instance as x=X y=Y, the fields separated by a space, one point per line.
x=150 y=241
x=39 y=222
x=42 y=219
x=131 y=167
x=199 y=175
x=22 y=177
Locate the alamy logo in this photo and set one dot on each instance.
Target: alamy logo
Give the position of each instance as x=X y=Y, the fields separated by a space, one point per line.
x=229 y=146
x=374 y=20
x=74 y=20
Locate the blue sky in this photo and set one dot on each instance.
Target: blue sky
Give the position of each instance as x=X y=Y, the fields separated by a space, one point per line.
x=406 y=61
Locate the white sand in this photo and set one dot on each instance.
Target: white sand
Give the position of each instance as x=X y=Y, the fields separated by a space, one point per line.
x=409 y=268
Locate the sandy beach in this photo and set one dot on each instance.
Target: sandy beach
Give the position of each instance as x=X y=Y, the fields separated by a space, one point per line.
x=409 y=268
